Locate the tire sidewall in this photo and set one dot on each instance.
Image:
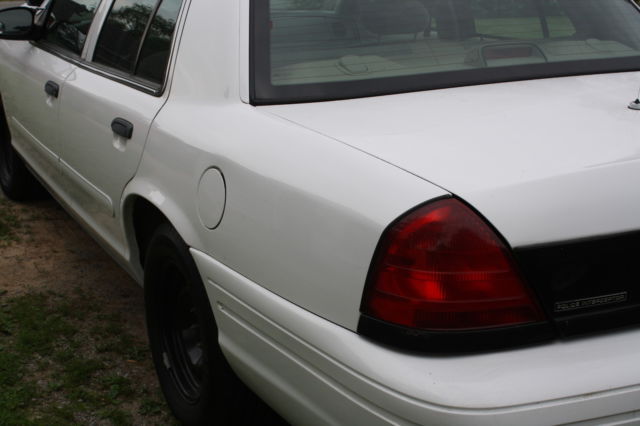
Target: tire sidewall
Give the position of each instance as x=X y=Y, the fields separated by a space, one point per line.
x=16 y=180
x=167 y=246
x=7 y=166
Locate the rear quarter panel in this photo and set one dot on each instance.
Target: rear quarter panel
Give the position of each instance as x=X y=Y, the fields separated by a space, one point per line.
x=303 y=213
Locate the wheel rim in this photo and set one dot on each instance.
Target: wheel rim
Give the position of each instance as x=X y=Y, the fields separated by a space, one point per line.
x=182 y=336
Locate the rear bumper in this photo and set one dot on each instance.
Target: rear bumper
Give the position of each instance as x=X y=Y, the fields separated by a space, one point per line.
x=315 y=372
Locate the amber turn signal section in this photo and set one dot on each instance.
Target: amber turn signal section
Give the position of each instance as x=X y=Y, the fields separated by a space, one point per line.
x=441 y=268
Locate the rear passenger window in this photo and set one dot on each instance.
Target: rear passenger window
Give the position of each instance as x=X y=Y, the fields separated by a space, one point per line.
x=136 y=37
x=122 y=34
x=155 y=50
x=68 y=24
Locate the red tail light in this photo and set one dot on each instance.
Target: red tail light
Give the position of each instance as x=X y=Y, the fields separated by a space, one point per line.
x=443 y=268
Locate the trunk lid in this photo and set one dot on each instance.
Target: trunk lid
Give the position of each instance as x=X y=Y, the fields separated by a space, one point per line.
x=544 y=160
x=553 y=164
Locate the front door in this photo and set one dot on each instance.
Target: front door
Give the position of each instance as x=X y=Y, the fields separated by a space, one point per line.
x=35 y=78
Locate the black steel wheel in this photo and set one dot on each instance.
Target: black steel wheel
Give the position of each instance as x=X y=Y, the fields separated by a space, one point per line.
x=182 y=339
x=182 y=331
x=198 y=383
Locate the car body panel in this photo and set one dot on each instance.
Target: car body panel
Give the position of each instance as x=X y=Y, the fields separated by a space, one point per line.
x=265 y=337
x=31 y=113
x=282 y=216
x=96 y=163
x=286 y=186
x=522 y=153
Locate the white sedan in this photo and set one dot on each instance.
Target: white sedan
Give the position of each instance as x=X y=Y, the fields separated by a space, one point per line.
x=371 y=211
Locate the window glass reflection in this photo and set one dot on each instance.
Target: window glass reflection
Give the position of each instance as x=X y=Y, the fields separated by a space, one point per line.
x=156 y=48
x=122 y=33
x=68 y=24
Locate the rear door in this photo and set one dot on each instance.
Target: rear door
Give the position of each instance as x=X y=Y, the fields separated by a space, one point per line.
x=35 y=79
x=108 y=105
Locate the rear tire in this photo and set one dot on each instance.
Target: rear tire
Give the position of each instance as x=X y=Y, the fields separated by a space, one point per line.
x=15 y=179
x=198 y=383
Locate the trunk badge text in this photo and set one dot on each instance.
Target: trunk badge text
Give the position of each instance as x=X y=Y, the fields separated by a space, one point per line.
x=589 y=302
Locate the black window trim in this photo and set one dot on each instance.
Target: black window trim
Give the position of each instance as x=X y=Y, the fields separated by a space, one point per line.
x=104 y=71
x=127 y=79
x=136 y=62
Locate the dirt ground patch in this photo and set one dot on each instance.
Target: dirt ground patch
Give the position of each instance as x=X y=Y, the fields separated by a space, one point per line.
x=49 y=251
x=48 y=261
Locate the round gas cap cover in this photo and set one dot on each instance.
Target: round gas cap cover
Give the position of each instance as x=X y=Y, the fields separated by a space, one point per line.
x=212 y=197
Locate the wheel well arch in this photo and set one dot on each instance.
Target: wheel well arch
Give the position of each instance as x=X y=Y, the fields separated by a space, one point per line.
x=144 y=207
x=144 y=219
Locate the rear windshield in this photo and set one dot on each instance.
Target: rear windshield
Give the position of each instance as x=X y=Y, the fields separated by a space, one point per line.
x=312 y=50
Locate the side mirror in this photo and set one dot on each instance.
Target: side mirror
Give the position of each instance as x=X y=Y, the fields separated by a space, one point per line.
x=17 y=24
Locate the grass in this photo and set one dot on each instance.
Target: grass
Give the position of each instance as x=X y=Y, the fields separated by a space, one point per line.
x=56 y=371
x=66 y=358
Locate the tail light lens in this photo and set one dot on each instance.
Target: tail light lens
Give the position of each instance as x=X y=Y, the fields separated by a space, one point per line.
x=442 y=267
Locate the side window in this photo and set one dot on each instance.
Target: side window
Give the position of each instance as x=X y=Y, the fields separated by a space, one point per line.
x=122 y=33
x=68 y=24
x=136 y=37
x=154 y=55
